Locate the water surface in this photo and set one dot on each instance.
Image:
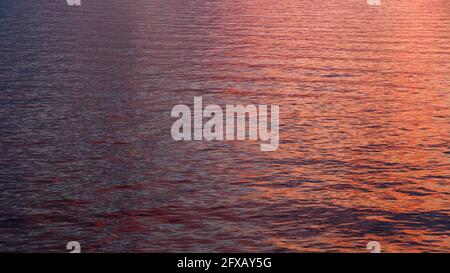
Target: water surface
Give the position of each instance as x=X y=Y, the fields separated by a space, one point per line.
x=86 y=151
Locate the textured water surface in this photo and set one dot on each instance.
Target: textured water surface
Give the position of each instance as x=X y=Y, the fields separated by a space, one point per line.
x=86 y=151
